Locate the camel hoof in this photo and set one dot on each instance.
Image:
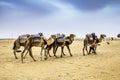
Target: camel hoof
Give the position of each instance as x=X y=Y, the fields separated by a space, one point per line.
x=50 y=56
x=71 y=55
x=45 y=58
x=88 y=53
x=34 y=60
x=95 y=53
x=61 y=56
x=55 y=56
x=83 y=54
x=16 y=58
x=64 y=54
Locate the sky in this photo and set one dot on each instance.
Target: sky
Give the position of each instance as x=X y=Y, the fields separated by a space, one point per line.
x=80 y=17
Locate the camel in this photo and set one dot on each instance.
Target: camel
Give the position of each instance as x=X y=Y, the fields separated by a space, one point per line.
x=50 y=43
x=37 y=41
x=93 y=43
x=65 y=42
x=20 y=41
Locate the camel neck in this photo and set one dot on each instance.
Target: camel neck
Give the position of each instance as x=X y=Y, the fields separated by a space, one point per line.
x=100 y=39
x=71 y=41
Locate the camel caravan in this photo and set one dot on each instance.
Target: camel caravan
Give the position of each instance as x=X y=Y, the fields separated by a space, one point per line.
x=54 y=41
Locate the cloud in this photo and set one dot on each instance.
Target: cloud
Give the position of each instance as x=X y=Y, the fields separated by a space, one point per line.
x=92 y=5
x=37 y=7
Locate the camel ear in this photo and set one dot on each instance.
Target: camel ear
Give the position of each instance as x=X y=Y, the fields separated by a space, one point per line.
x=41 y=34
x=73 y=35
x=63 y=35
x=53 y=36
x=28 y=35
x=103 y=35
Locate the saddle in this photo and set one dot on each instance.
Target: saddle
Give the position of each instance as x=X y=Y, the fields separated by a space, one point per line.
x=50 y=41
x=36 y=38
x=23 y=38
x=60 y=38
x=89 y=36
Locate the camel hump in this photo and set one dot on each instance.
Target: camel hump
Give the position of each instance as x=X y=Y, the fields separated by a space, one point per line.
x=36 y=38
x=23 y=38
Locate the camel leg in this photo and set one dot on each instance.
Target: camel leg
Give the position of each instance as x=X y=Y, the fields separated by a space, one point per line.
x=48 y=49
x=45 y=54
x=90 y=48
x=30 y=53
x=69 y=50
x=62 y=52
x=48 y=53
x=15 y=54
x=22 y=54
x=95 y=49
x=85 y=47
x=55 y=50
x=26 y=54
x=41 y=53
x=85 y=43
x=87 y=50
x=15 y=47
x=83 y=51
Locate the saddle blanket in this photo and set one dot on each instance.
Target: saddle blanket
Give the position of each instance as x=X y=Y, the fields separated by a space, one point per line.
x=23 y=38
x=60 y=39
x=36 y=38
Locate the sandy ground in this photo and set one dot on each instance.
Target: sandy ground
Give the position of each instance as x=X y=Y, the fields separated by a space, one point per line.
x=103 y=66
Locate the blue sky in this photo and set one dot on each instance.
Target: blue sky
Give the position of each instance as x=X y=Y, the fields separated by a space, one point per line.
x=59 y=16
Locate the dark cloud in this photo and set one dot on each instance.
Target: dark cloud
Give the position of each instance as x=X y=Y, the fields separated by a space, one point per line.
x=31 y=6
x=92 y=5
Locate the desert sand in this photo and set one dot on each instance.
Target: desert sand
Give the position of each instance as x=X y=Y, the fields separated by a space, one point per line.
x=105 y=65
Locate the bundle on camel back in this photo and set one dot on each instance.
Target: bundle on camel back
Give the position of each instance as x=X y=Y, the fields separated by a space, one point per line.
x=92 y=43
x=35 y=40
x=20 y=41
x=61 y=41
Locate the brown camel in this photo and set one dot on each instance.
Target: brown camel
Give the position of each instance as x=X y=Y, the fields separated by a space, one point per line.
x=20 y=41
x=63 y=41
x=37 y=41
x=92 y=43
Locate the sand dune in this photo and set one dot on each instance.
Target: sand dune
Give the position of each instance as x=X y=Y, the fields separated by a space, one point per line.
x=103 y=66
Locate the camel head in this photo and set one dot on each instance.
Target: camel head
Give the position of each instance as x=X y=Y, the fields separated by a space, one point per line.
x=28 y=35
x=53 y=36
x=41 y=34
x=63 y=35
x=72 y=36
x=102 y=36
